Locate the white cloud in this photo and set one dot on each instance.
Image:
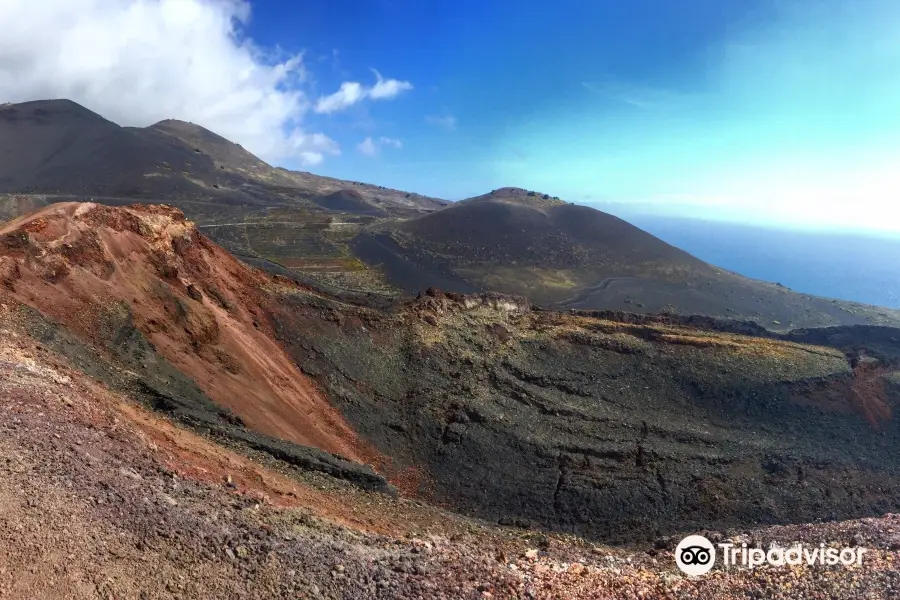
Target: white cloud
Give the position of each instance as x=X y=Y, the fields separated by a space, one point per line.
x=137 y=62
x=352 y=92
x=367 y=147
x=387 y=88
x=312 y=148
x=349 y=94
x=371 y=147
x=445 y=121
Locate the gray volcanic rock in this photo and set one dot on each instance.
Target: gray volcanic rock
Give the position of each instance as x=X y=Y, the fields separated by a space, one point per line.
x=613 y=429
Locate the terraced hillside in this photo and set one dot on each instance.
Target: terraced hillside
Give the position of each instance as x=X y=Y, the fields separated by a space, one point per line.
x=305 y=243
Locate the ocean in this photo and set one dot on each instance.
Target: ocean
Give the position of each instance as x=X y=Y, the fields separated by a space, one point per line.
x=859 y=267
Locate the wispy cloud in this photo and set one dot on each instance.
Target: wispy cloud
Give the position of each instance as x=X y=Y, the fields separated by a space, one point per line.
x=637 y=96
x=371 y=147
x=352 y=92
x=392 y=142
x=349 y=94
x=313 y=147
x=446 y=121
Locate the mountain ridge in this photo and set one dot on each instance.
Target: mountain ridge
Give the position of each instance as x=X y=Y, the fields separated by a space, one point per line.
x=367 y=239
x=194 y=162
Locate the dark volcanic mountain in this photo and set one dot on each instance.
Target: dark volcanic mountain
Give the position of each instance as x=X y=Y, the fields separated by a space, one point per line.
x=72 y=151
x=570 y=256
x=59 y=147
x=543 y=247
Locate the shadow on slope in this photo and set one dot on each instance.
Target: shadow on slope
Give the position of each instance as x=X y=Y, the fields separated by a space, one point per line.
x=347 y=201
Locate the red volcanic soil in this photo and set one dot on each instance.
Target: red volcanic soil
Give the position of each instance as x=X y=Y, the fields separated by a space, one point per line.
x=200 y=308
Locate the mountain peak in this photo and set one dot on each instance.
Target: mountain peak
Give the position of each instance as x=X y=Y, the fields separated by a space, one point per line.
x=519 y=196
x=57 y=107
x=187 y=127
x=194 y=134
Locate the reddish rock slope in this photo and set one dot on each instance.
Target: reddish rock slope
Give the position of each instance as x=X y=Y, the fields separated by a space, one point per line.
x=199 y=307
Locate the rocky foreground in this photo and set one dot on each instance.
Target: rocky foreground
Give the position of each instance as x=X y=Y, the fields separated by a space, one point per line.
x=100 y=498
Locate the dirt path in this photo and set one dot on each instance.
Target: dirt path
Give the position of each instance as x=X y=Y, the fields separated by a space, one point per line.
x=583 y=297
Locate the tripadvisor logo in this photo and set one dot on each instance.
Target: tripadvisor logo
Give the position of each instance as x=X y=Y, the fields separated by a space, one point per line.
x=696 y=555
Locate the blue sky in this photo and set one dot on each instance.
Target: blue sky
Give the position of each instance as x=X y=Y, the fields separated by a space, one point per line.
x=772 y=111
x=777 y=112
